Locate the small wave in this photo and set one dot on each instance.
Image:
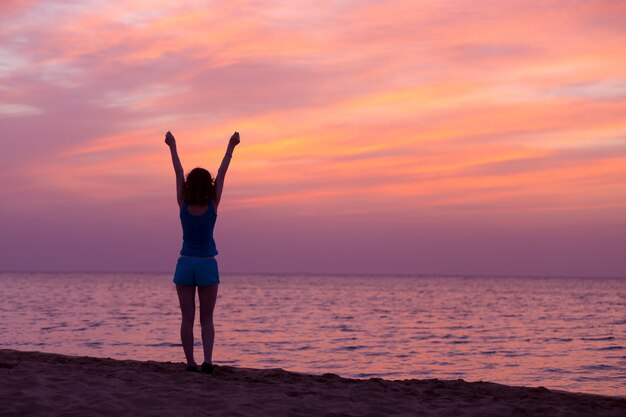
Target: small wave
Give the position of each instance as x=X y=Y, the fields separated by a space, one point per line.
x=278 y=343
x=610 y=348
x=425 y=337
x=273 y=361
x=228 y=362
x=163 y=344
x=352 y=347
x=253 y=330
x=591 y=378
x=557 y=370
x=11 y=344
x=598 y=338
x=342 y=339
x=301 y=348
x=453 y=336
x=600 y=367
x=57 y=326
x=338 y=317
x=368 y=375
x=341 y=328
x=459 y=327
x=515 y=354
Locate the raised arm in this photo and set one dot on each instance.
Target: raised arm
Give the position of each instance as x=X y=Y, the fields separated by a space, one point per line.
x=221 y=172
x=178 y=167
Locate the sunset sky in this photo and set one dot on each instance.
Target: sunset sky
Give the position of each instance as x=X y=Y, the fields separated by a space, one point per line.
x=417 y=137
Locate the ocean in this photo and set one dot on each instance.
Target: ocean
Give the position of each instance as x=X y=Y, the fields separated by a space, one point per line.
x=560 y=333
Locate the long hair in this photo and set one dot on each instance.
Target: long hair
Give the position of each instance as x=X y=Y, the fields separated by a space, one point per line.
x=199 y=187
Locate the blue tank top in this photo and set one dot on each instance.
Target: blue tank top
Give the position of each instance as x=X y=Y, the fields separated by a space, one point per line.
x=198 y=232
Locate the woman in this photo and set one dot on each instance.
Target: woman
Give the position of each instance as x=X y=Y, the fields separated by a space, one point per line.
x=198 y=197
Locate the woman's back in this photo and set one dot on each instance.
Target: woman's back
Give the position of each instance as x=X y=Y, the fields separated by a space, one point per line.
x=198 y=223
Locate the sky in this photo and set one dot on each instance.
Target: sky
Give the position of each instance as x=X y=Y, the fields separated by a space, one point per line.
x=398 y=137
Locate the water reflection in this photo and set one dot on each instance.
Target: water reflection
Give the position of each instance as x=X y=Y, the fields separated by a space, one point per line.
x=560 y=333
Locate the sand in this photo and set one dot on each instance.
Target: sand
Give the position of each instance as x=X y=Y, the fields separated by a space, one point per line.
x=35 y=383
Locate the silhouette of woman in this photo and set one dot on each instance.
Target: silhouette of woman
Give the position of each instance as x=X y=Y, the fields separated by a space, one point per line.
x=198 y=197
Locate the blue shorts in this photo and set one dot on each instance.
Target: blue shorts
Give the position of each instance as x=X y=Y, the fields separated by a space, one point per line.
x=196 y=271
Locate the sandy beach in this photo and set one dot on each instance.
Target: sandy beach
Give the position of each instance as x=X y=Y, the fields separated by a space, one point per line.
x=35 y=383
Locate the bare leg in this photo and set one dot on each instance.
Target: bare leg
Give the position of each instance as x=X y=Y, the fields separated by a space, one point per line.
x=187 y=299
x=208 y=297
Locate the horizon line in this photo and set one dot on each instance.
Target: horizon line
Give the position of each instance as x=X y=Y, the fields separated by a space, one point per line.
x=334 y=274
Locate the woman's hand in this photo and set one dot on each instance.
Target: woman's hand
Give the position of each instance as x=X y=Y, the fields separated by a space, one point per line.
x=169 y=139
x=234 y=140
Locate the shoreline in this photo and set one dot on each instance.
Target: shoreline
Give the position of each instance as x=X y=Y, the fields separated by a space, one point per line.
x=35 y=383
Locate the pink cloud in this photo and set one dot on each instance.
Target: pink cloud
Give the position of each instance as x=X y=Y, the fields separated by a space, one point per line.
x=358 y=110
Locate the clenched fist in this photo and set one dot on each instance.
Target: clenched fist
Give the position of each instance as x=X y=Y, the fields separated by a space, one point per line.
x=169 y=139
x=234 y=140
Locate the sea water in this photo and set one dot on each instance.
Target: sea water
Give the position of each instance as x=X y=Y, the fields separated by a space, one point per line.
x=561 y=333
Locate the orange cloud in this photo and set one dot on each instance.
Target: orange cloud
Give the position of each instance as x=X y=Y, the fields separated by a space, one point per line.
x=424 y=105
